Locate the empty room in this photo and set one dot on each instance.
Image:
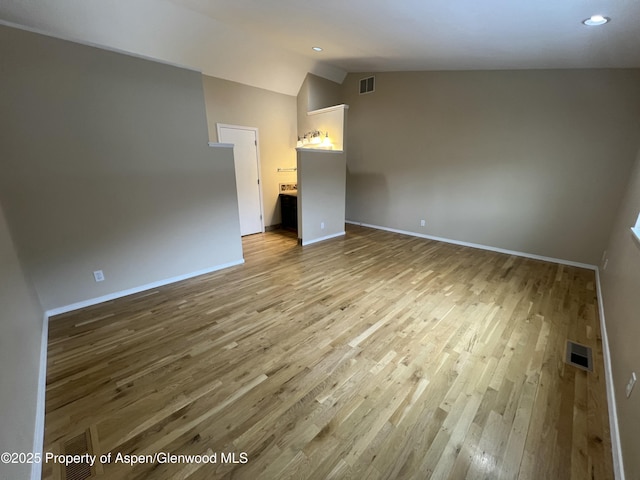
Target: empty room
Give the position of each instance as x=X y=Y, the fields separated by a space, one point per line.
x=332 y=240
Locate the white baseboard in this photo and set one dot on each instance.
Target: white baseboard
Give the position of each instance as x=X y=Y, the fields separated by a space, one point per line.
x=316 y=240
x=38 y=439
x=618 y=464
x=477 y=245
x=142 y=288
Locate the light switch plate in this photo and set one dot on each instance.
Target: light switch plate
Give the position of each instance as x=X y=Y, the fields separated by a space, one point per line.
x=631 y=383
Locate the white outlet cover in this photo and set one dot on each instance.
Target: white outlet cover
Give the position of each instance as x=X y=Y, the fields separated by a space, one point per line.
x=632 y=382
x=322 y=225
x=98 y=275
x=423 y=223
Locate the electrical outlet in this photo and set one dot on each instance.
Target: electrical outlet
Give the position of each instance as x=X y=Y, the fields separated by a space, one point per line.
x=322 y=225
x=98 y=275
x=423 y=223
x=631 y=383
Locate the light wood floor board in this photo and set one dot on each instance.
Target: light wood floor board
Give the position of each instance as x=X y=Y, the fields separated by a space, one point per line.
x=373 y=356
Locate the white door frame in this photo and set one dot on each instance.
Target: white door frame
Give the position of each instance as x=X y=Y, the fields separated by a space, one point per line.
x=254 y=129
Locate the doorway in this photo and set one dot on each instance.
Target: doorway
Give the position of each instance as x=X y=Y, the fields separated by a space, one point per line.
x=247 y=166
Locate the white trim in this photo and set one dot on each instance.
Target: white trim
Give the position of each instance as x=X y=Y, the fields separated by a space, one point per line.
x=38 y=438
x=221 y=145
x=316 y=240
x=142 y=288
x=96 y=45
x=255 y=130
x=481 y=247
x=342 y=106
x=618 y=464
x=237 y=127
x=318 y=150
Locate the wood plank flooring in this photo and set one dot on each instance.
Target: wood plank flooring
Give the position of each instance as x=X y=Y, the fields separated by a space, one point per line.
x=373 y=356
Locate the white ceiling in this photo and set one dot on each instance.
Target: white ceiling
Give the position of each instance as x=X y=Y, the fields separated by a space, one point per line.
x=267 y=43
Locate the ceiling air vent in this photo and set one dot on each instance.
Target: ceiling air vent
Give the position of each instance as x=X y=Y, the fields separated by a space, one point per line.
x=367 y=85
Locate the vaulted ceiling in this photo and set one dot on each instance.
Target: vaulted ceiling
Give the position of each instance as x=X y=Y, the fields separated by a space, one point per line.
x=267 y=43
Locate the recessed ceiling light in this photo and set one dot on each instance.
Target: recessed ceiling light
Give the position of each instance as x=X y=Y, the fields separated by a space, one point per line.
x=317 y=49
x=596 y=20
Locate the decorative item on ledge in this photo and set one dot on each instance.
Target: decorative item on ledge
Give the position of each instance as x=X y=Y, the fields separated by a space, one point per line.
x=315 y=139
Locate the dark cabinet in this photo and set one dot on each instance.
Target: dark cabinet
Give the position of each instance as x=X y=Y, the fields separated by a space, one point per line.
x=289 y=211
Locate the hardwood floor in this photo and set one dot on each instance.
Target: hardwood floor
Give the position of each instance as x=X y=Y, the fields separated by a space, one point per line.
x=375 y=356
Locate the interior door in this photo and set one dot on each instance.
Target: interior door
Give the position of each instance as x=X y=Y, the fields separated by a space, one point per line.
x=245 y=154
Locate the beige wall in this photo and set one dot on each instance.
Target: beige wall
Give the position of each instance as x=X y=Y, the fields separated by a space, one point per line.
x=104 y=164
x=316 y=93
x=321 y=175
x=620 y=288
x=532 y=161
x=274 y=114
x=20 y=341
x=321 y=194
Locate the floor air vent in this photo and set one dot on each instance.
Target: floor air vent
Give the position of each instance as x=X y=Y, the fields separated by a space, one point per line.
x=579 y=356
x=82 y=444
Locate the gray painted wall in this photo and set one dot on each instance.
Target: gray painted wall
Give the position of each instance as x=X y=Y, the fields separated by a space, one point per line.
x=620 y=288
x=274 y=114
x=321 y=194
x=104 y=164
x=531 y=161
x=316 y=93
x=20 y=344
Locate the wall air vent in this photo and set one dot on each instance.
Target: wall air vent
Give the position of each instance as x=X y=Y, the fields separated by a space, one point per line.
x=367 y=85
x=579 y=356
